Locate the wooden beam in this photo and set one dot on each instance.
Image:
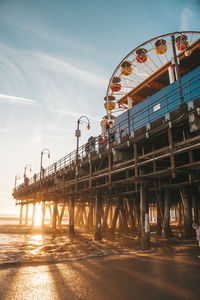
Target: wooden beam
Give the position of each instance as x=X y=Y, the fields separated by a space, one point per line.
x=97 y=234
x=21 y=214
x=71 y=215
x=156 y=85
x=171 y=149
x=144 y=215
x=116 y=214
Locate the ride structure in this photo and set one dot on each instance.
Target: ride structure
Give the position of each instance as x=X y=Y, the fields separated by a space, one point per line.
x=146 y=162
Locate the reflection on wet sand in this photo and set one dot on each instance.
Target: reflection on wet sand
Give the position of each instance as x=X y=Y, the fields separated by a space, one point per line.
x=38 y=246
x=35 y=265
x=157 y=275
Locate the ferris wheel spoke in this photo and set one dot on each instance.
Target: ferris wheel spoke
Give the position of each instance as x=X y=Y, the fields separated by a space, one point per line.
x=127 y=86
x=156 y=67
x=142 y=75
x=140 y=68
x=156 y=56
x=143 y=62
x=119 y=94
x=130 y=79
x=149 y=67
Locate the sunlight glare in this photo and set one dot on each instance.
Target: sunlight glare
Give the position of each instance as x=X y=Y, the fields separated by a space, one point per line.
x=37 y=238
x=38 y=215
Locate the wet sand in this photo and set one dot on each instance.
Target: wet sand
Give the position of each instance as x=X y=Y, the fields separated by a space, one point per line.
x=169 y=272
x=38 y=263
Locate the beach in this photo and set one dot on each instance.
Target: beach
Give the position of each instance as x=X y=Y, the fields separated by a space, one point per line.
x=38 y=263
x=141 y=276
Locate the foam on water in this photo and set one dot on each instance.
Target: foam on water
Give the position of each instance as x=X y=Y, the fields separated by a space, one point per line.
x=19 y=245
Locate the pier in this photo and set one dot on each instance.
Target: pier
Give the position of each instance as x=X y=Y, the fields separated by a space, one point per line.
x=135 y=177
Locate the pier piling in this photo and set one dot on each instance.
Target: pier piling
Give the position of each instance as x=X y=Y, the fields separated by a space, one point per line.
x=98 y=208
x=71 y=215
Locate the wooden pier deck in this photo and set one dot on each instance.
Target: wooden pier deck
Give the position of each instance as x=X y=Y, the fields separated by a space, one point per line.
x=115 y=183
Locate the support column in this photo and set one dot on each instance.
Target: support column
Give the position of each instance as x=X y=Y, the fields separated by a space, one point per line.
x=123 y=218
x=159 y=220
x=61 y=215
x=116 y=214
x=166 y=220
x=105 y=217
x=144 y=216
x=54 y=216
x=71 y=215
x=77 y=214
x=80 y=216
x=130 y=209
x=121 y=225
x=180 y=213
x=33 y=214
x=195 y=206
x=21 y=214
x=90 y=214
x=172 y=159
x=187 y=213
x=160 y=214
x=26 y=216
x=136 y=209
x=97 y=234
x=136 y=159
x=43 y=213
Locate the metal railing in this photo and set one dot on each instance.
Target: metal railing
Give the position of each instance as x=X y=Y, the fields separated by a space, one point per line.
x=143 y=117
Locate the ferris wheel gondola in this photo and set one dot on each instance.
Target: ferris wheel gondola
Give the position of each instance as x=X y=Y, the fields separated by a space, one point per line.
x=153 y=58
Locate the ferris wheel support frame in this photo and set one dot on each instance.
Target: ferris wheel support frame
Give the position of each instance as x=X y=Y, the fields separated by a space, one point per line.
x=174 y=61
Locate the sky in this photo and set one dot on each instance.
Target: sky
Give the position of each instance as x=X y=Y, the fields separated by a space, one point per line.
x=56 y=58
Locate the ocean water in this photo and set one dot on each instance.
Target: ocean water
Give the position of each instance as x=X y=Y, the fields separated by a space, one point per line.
x=20 y=244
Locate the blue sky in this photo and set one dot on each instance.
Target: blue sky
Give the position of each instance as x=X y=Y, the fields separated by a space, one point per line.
x=56 y=58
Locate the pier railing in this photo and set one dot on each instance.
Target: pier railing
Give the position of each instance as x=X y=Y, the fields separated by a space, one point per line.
x=134 y=119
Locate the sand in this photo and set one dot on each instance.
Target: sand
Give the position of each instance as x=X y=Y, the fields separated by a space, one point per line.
x=165 y=273
x=38 y=263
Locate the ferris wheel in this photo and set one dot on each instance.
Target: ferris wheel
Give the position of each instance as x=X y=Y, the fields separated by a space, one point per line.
x=145 y=62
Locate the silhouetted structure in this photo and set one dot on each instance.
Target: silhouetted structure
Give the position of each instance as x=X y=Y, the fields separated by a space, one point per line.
x=149 y=173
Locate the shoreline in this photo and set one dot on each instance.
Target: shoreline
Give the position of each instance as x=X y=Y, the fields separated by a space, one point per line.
x=170 y=273
x=44 y=246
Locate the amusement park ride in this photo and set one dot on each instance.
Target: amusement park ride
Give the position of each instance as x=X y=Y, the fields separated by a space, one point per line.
x=146 y=160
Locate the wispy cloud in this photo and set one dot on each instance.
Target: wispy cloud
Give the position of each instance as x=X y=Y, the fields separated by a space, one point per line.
x=17 y=100
x=186 y=17
x=62 y=66
x=72 y=114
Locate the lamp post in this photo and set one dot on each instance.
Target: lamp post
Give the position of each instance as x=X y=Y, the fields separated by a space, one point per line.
x=78 y=132
x=27 y=166
x=17 y=176
x=41 y=157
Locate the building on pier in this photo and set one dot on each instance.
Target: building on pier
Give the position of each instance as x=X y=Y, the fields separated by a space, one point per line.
x=145 y=170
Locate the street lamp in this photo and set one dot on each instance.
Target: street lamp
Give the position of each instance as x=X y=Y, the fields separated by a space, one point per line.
x=187 y=51
x=17 y=176
x=27 y=166
x=78 y=132
x=43 y=152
